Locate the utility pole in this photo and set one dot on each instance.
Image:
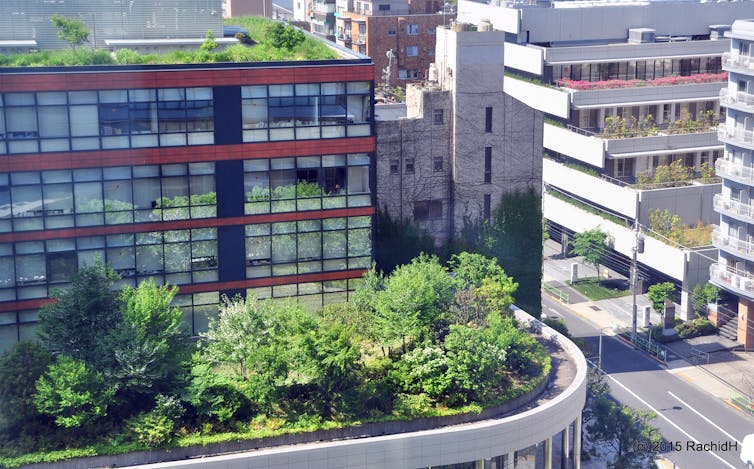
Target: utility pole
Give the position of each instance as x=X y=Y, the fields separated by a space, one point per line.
x=638 y=248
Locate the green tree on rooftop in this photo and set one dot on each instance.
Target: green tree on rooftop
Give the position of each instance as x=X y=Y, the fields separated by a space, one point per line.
x=71 y=30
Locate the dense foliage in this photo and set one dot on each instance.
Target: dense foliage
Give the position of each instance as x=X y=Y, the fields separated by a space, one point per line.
x=270 y=40
x=591 y=245
x=423 y=341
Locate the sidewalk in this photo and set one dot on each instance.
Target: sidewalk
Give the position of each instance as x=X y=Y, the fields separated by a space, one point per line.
x=715 y=368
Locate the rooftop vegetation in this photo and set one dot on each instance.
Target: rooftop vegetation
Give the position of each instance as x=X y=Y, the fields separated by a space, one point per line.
x=272 y=41
x=585 y=85
x=114 y=373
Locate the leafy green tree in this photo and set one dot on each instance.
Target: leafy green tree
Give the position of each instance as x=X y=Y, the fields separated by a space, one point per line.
x=73 y=393
x=78 y=319
x=71 y=30
x=415 y=296
x=148 y=347
x=283 y=36
x=471 y=269
x=215 y=395
x=396 y=242
x=333 y=360
x=20 y=368
x=252 y=341
x=660 y=292
x=591 y=245
x=701 y=296
x=514 y=238
x=621 y=428
x=667 y=224
x=209 y=43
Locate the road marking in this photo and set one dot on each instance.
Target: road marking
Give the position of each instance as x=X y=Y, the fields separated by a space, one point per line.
x=705 y=418
x=730 y=403
x=578 y=314
x=684 y=376
x=667 y=419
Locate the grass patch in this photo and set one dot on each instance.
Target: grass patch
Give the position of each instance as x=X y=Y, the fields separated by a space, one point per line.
x=597 y=289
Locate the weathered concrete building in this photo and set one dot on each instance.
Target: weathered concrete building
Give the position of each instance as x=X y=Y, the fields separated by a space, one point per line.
x=463 y=142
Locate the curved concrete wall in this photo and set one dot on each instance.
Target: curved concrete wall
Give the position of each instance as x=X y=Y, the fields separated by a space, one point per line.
x=447 y=445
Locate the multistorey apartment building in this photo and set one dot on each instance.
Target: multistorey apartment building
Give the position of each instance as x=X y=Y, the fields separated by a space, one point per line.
x=222 y=179
x=399 y=35
x=734 y=271
x=627 y=87
x=460 y=143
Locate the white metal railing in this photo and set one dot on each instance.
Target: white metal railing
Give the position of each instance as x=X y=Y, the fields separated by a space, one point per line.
x=740 y=281
x=738 y=61
x=740 y=135
x=726 y=168
x=324 y=7
x=726 y=241
x=723 y=205
x=739 y=97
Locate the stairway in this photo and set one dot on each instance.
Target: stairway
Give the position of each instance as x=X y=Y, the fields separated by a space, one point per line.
x=728 y=327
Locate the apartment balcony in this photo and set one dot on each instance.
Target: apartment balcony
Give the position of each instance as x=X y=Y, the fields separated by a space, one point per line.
x=592 y=147
x=740 y=283
x=736 y=136
x=736 y=171
x=740 y=100
x=597 y=98
x=732 y=244
x=324 y=7
x=738 y=63
x=733 y=208
x=360 y=39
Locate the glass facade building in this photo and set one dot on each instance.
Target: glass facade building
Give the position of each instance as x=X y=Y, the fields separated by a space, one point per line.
x=222 y=179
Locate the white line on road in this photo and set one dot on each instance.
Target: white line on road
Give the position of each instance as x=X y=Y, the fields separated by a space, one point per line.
x=668 y=420
x=705 y=418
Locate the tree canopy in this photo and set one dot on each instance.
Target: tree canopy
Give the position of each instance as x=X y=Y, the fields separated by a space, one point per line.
x=71 y=30
x=591 y=245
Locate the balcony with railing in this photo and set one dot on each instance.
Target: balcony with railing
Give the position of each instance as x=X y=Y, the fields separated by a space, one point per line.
x=733 y=208
x=736 y=171
x=360 y=39
x=732 y=244
x=736 y=136
x=739 y=282
x=739 y=99
x=738 y=62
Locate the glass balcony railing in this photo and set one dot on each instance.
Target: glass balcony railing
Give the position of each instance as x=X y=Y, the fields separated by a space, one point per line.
x=732 y=243
x=740 y=136
x=738 y=61
x=732 y=170
x=740 y=282
x=740 y=98
x=733 y=207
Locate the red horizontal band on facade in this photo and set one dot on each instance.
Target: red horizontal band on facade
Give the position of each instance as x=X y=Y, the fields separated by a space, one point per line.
x=215 y=286
x=24 y=305
x=272 y=281
x=183 y=154
x=68 y=79
x=43 y=235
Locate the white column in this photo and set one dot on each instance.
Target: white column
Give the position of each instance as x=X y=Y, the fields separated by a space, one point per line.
x=577 y=442
x=548 y=453
x=565 y=448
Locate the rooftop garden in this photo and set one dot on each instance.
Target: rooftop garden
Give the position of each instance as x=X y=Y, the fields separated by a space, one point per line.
x=115 y=373
x=583 y=85
x=268 y=41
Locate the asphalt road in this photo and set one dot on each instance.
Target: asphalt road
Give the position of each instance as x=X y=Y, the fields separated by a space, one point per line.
x=695 y=425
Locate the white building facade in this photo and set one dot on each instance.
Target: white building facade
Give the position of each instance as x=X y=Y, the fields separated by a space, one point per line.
x=630 y=90
x=734 y=271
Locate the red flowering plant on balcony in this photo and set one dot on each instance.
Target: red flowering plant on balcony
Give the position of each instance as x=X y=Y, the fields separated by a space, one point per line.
x=583 y=85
